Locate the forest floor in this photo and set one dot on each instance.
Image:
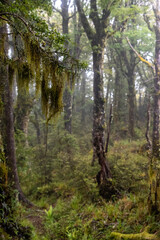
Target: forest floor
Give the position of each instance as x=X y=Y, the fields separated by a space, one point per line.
x=36 y=217
x=69 y=207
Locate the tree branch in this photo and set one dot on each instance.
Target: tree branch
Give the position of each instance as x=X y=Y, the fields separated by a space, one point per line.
x=72 y=15
x=147 y=20
x=57 y=10
x=139 y=56
x=106 y=13
x=94 y=14
x=90 y=33
x=17 y=16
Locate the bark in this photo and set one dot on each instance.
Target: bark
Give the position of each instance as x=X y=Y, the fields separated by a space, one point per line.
x=77 y=34
x=83 y=95
x=45 y=130
x=8 y=134
x=67 y=101
x=154 y=177
x=109 y=129
x=98 y=116
x=67 y=96
x=65 y=16
x=117 y=97
x=127 y=62
x=156 y=110
x=98 y=39
x=131 y=102
x=77 y=51
x=35 y=122
x=107 y=95
x=23 y=109
x=148 y=125
x=7 y=121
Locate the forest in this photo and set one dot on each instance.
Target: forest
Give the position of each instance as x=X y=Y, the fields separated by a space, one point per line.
x=79 y=119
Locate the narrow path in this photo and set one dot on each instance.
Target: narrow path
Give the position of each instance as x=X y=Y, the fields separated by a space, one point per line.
x=35 y=216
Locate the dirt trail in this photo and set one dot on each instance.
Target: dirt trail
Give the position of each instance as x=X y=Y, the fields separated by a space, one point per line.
x=35 y=216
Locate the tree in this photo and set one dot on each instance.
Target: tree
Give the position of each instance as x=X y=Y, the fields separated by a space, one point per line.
x=22 y=111
x=42 y=49
x=97 y=38
x=67 y=97
x=7 y=116
x=156 y=116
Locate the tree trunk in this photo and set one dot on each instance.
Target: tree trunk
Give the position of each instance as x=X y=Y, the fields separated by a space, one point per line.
x=98 y=116
x=156 y=109
x=7 y=120
x=154 y=197
x=67 y=101
x=67 y=96
x=116 y=97
x=23 y=108
x=83 y=95
x=37 y=127
x=97 y=39
x=131 y=103
x=36 y=124
x=107 y=96
x=109 y=129
x=8 y=133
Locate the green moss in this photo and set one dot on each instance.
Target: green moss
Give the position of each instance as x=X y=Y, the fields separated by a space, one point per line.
x=139 y=236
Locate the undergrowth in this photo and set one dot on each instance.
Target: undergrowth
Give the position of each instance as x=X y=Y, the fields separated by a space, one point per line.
x=62 y=183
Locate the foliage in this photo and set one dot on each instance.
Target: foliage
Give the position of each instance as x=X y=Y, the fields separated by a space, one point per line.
x=9 y=226
x=129 y=166
x=55 y=167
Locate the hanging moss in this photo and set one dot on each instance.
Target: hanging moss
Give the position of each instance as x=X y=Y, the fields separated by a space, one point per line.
x=33 y=57
x=51 y=91
x=42 y=67
x=25 y=75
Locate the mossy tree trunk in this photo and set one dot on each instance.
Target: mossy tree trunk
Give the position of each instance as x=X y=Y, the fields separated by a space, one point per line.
x=7 y=116
x=97 y=38
x=154 y=195
x=156 y=110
